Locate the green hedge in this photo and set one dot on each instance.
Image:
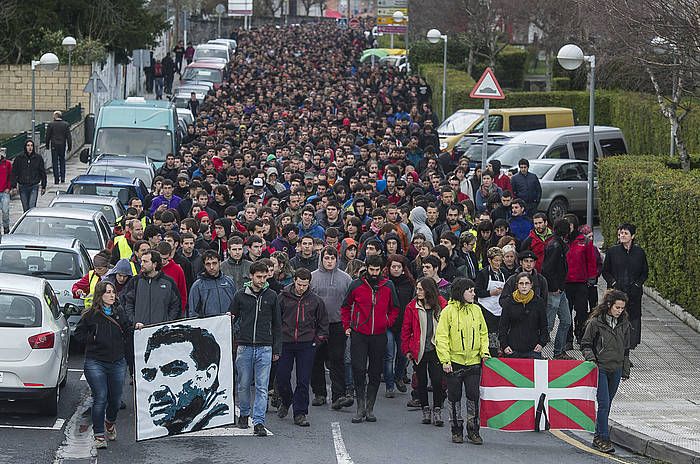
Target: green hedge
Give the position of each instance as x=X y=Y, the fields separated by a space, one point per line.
x=423 y=52
x=510 y=67
x=661 y=202
x=459 y=84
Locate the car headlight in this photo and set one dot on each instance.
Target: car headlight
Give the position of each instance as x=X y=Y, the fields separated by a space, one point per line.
x=443 y=145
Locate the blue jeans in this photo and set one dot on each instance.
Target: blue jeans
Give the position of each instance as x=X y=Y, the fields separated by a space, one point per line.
x=607 y=387
x=159 y=83
x=58 y=162
x=389 y=361
x=301 y=354
x=5 y=209
x=106 y=381
x=253 y=363
x=28 y=194
x=558 y=305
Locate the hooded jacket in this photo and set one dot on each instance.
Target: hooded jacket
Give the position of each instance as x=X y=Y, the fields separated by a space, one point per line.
x=521 y=227
x=461 y=335
x=304 y=317
x=153 y=300
x=608 y=346
x=536 y=243
x=211 y=296
x=124 y=267
x=344 y=245
x=238 y=270
x=331 y=287
x=555 y=267
x=175 y=272
x=257 y=318
x=417 y=217
x=310 y=263
x=414 y=327
x=28 y=170
x=581 y=260
x=370 y=309
x=314 y=230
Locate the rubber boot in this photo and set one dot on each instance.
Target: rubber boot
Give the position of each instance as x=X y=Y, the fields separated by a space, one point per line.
x=360 y=397
x=371 y=398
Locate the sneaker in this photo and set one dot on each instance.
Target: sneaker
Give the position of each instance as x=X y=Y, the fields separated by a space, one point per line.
x=100 y=442
x=110 y=431
x=475 y=438
x=318 y=400
x=242 y=422
x=457 y=438
x=609 y=448
x=564 y=356
x=604 y=446
x=348 y=400
x=437 y=417
x=427 y=415
x=300 y=420
x=401 y=386
x=389 y=394
x=414 y=403
x=259 y=430
x=338 y=404
x=282 y=411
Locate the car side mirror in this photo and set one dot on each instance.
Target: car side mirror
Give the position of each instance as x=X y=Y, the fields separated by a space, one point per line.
x=85 y=155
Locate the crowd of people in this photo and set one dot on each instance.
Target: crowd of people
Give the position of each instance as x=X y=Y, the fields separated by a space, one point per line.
x=311 y=203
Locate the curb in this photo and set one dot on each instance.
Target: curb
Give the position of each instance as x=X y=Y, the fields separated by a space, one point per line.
x=687 y=318
x=650 y=447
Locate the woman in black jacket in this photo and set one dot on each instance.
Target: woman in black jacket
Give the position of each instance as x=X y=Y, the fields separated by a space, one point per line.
x=523 y=326
x=398 y=271
x=488 y=287
x=103 y=330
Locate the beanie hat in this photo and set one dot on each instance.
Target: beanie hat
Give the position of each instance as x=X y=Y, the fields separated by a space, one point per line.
x=100 y=261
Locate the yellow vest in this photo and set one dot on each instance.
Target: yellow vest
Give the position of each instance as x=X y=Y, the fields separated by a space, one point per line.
x=122 y=244
x=93 y=278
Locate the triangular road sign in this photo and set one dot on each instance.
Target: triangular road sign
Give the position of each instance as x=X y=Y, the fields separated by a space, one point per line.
x=487 y=87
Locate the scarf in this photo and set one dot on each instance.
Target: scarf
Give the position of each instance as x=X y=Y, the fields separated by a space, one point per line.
x=523 y=299
x=107 y=310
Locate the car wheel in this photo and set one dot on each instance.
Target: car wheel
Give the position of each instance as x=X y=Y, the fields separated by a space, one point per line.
x=49 y=404
x=557 y=209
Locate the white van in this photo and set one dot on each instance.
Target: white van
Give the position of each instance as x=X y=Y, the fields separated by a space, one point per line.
x=560 y=143
x=212 y=52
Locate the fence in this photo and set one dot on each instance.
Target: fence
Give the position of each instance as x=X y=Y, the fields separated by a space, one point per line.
x=15 y=144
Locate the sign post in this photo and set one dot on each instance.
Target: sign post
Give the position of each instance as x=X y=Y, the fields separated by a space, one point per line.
x=487 y=88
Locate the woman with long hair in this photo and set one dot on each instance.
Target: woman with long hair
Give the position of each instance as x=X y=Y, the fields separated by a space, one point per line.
x=103 y=329
x=606 y=341
x=522 y=332
x=484 y=231
x=489 y=286
x=418 y=343
x=353 y=228
x=283 y=270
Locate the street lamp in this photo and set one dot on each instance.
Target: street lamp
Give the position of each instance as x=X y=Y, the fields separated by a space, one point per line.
x=399 y=17
x=47 y=62
x=434 y=36
x=69 y=44
x=570 y=57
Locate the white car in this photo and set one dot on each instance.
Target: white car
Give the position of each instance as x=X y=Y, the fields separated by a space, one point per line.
x=34 y=341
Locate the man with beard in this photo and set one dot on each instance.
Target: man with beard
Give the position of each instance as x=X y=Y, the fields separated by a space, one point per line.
x=538 y=239
x=452 y=224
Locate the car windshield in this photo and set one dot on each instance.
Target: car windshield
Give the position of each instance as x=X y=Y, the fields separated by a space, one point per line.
x=202 y=74
x=123 y=171
x=154 y=143
x=19 y=311
x=457 y=123
x=121 y=192
x=107 y=210
x=202 y=53
x=50 y=264
x=44 y=226
x=509 y=154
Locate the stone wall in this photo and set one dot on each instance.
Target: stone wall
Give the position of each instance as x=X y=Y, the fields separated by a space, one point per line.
x=16 y=87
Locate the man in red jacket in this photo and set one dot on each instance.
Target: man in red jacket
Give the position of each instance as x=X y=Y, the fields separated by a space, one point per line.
x=5 y=187
x=174 y=271
x=538 y=239
x=581 y=260
x=369 y=310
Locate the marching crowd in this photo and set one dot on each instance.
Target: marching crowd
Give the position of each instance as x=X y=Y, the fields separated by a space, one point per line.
x=311 y=203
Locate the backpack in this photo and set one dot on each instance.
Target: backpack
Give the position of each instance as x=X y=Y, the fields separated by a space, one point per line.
x=158 y=70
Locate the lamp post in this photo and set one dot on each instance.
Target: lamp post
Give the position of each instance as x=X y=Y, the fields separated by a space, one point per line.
x=220 y=9
x=570 y=57
x=434 y=36
x=399 y=17
x=69 y=44
x=48 y=62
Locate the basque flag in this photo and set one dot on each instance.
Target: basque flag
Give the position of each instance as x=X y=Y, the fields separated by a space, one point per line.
x=537 y=394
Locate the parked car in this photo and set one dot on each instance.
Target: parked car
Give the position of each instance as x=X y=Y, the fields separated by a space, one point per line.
x=185 y=115
x=471 y=144
x=123 y=166
x=111 y=207
x=90 y=227
x=230 y=43
x=564 y=186
x=34 y=342
x=204 y=71
x=61 y=261
x=109 y=186
x=212 y=52
x=561 y=143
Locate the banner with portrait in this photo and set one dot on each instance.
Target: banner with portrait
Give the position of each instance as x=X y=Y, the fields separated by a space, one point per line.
x=183 y=377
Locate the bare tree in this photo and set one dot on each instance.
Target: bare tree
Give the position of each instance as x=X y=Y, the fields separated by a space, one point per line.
x=487 y=27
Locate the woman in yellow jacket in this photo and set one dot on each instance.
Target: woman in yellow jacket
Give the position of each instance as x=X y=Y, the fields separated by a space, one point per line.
x=462 y=341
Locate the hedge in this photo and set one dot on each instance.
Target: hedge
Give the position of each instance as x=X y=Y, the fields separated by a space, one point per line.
x=661 y=201
x=459 y=84
x=637 y=115
x=423 y=52
x=510 y=67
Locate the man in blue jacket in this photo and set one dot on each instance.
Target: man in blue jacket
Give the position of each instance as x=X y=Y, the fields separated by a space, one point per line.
x=526 y=186
x=520 y=223
x=213 y=291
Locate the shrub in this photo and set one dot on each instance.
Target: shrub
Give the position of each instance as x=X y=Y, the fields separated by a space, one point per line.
x=459 y=84
x=660 y=201
x=423 y=52
x=510 y=67
x=561 y=83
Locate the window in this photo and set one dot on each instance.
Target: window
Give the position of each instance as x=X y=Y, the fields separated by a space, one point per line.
x=528 y=122
x=52 y=301
x=570 y=172
x=455 y=124
x=47 y=263
x=61 y=227
x=558 y=152
x=495 y=124
x=611 y=147
x=19 y=311
x=581 y=151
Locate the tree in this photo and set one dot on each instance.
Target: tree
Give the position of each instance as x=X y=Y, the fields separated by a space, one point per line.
x=486 y=32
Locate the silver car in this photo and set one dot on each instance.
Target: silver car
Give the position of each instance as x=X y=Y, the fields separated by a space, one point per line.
x=61 y=261
x=90 y=227
x=34 y=342
x=564 y=186
x=111 y=207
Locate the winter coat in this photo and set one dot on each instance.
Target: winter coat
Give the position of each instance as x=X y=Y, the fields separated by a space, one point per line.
x=175 y=272
x=539 y=285
x=527 y=188
x=417 y=217
x=414 y=327
x=239 y=270
x=370 y=310
x=555 y=266
x=405 y=290
x=461 y=335
x=211 y=296
x=153 y=300
x=536 y=243
x=5 y=175
x=581 y=261
x=523 y=326
x=626 y=270
x=104 y=336
x=331 y=287
x=521 y=226
x=310 y=263
x=58 y=134
x=304 y=317
x=314 y=231
x=606 y=346
x=257 y=318
x=28 y=170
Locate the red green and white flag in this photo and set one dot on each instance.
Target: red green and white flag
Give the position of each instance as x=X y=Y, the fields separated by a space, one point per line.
x=538 y=394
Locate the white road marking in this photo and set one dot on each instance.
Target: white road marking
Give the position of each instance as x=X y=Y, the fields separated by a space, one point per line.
x=82 y=378
x=73 y=369
x=79 y=441
x=341 y=453
x=58 y=425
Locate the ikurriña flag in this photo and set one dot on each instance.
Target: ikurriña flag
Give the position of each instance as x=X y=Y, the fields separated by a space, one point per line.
x=538 y=394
